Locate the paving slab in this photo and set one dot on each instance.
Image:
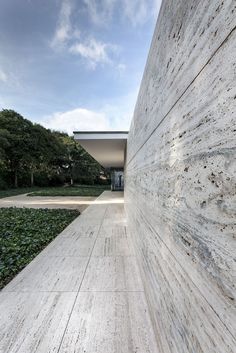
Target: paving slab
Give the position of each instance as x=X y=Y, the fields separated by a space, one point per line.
x=68 y=202
x=114 y=246
x=109 y=322
x=113 y=231
x=82 y=227
x=33 y=322
x=49 y=274
x=69 y=247
x=114 y=273
x=82 y=293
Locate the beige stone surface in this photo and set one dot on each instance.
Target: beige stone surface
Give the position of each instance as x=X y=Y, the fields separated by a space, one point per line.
x=114 y=246
x=71 y=202
x=181 y=177
x=65 y=246
x=112 y=273
x=50 y=273
x=33 y=322
x=83 y=293
x=105 y=322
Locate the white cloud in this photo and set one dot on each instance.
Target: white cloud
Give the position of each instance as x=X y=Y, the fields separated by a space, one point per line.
x=77 y=119
x=115 y=115
x=137 y=12
x=64 y=30
x=94 y=52
x=68 y=37
x=3 y=76
x=100 y=12
x=121 y=68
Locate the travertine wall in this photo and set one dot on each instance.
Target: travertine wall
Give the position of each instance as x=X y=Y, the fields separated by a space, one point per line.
x=181 y=177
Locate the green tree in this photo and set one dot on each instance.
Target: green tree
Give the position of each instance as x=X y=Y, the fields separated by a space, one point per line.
x=44 y=147
x=75 y=161
x=18 y=147
x=27 y=148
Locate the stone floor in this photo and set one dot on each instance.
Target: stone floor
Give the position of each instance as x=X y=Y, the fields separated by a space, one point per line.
x=71 y=202
x=82 y=294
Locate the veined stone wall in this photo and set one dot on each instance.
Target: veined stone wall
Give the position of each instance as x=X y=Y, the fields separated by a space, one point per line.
x=181 y=177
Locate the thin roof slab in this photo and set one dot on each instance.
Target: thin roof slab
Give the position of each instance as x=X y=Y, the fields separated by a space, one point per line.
x=107 y=147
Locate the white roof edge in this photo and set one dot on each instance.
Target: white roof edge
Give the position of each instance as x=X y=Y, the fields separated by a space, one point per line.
x=107 y=147
x=111 y=135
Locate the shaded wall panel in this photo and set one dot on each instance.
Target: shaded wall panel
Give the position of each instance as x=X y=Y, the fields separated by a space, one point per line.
x=181 y=178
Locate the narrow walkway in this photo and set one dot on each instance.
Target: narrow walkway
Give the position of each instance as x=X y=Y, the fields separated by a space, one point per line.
x=82 y=294
x=71 y=202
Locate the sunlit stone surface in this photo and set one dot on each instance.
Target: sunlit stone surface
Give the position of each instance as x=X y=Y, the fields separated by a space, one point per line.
x=181 y=177
x=83 y=293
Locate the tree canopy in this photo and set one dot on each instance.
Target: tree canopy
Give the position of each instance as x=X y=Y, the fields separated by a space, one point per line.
x=32 y=154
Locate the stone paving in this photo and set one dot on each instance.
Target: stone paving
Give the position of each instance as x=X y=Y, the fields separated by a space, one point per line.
x=83 y=293
x=71 y=202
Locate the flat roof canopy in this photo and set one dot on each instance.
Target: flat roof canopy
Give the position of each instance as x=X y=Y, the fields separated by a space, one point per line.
x=107 y=147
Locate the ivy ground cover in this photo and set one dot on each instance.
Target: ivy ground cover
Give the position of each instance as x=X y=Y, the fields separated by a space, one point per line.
x=26 y=232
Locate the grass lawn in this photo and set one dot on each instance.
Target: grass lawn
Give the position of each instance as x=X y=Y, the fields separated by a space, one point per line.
x=80 y=190
x=24 y=233
x=18 y=191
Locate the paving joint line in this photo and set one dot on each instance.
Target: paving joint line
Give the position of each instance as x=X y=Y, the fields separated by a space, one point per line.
x=73 y=306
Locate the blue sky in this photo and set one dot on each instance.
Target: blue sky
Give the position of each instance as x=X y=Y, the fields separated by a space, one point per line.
x=74 y=64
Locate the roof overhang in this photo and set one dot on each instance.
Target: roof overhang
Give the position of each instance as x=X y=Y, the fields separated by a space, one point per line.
x=107 y=147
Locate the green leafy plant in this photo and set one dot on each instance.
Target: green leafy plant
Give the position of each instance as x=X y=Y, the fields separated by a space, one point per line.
x=31 y=155
x=82 y=190
x=24 y=233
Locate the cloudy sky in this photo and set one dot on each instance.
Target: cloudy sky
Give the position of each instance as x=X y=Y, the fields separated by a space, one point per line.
x=74 y=64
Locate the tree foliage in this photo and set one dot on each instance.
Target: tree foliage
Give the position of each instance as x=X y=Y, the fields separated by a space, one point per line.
x=24 y=233
x=32 y=154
